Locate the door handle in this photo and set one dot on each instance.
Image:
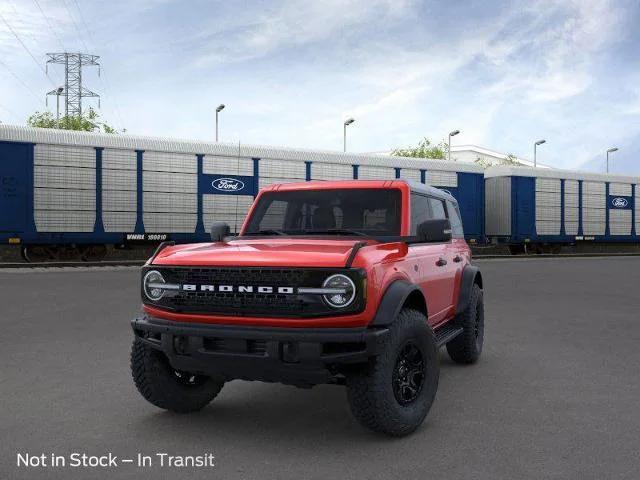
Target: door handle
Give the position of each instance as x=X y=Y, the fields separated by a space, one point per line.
x=457 y=259
x=441 y=262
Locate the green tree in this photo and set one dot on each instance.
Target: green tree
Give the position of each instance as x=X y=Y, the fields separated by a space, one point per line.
x=510 y=159
x=88 y=122
x=424 y=149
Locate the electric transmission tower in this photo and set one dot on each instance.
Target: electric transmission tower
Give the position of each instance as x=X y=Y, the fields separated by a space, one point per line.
x=73 y=91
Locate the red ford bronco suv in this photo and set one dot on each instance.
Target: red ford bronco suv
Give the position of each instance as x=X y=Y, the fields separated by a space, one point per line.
x=354 y=283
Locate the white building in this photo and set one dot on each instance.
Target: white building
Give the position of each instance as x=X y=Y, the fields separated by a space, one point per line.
x=470 y=153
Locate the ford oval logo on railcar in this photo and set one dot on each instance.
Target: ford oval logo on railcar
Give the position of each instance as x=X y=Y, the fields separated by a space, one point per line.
x=619 y=202
x=228 y=185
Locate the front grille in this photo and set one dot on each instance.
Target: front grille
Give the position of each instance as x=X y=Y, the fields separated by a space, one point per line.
x=251 y=304
x=238 y=276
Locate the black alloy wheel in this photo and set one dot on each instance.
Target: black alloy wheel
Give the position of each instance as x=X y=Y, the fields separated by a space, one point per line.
x=408 y=374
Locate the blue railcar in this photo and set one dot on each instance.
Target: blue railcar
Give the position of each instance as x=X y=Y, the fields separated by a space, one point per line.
x=544 y=209
x=86 y=190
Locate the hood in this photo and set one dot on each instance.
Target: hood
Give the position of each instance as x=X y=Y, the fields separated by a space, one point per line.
x=263 y=252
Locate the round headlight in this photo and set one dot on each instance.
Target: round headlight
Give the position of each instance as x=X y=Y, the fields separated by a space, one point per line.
x=345 y=291
x=152 y=285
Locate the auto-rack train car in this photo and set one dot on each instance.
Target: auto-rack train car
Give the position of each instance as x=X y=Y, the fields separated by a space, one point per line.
x=66 y=191
x=540 y=210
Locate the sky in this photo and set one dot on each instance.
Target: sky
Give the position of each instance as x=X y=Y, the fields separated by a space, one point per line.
x=290 y=72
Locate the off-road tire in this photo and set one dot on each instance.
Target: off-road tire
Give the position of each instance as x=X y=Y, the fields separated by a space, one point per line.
x=166 y=388
x=467 y=347
x=370 y=391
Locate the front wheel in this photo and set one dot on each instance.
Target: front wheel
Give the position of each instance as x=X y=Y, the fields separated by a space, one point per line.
x=166 y=387
x=394 y=393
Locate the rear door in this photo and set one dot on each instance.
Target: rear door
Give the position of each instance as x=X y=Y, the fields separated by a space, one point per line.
x=447 y=261
x=460 y=249
x=435 y=271
x=14 y=162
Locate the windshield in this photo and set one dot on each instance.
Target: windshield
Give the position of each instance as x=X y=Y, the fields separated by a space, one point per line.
x=371 y=212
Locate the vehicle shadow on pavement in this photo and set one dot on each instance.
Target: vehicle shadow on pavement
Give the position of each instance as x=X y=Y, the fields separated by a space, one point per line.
x=272 y=411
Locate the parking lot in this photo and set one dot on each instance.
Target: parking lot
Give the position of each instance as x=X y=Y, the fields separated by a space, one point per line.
x=555 y=395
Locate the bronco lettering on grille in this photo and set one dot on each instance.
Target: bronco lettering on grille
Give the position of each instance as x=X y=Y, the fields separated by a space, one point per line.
x=237 y=288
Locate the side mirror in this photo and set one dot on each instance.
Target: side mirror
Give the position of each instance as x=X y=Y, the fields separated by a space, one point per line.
x=219 y=230
x=437 y=230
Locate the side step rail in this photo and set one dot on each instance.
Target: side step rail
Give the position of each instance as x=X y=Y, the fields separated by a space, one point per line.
x=446 y=333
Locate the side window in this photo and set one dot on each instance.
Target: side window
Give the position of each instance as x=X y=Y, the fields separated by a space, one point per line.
x=420 y=211
x=437 y=207
x=456 y=222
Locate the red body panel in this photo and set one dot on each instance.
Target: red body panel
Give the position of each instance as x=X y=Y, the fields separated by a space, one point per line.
x=261 y=252
x=384 y=264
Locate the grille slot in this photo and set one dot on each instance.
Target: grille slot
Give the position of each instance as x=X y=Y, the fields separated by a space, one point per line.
x=228 y=345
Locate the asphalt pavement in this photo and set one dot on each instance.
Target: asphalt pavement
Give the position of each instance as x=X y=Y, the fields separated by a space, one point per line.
x=556 y=393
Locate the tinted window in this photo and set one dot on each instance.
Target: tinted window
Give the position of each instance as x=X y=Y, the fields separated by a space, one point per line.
x=369 y=211
x=456 y=222
x=437 y=208
x=420 y=211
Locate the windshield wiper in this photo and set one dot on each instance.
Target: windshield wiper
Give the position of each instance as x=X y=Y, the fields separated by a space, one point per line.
x=335 y=231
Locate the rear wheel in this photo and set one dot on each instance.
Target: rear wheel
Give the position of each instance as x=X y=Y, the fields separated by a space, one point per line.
x=516 y=249
x=394 y=393
x=467 y=347
x=168 y=388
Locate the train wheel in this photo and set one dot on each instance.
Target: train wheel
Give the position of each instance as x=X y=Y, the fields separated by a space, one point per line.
x=93 y=253
x=517 y=249
x=556 y=249
x=37 y=253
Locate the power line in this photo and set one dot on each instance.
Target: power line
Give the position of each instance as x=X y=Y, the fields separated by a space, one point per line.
x=89 y=36
x=105 y=82
x=24 y=84
x=53 y=30
x=27 y=32
x=15 y=10
x=10 y=112
x=75 y=25
x=27 y=49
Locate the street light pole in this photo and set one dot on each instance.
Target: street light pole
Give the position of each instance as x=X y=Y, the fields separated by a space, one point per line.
x=218 y=110
x=611 y=150
x=451 y=134
x=59 y=90
x=348 y=121
x=535 y=146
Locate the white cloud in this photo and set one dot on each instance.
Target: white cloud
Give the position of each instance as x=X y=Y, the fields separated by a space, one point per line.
x=290 y=72
x=291 y=24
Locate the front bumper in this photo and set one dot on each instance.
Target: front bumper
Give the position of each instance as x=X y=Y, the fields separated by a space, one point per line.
x=298 y=356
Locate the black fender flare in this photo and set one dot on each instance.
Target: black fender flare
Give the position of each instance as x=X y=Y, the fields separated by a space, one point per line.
x=392 y=301
x=470 y=275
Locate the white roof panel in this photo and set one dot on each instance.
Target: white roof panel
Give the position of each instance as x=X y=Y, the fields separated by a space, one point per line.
x=66 y=137
x=512 y=171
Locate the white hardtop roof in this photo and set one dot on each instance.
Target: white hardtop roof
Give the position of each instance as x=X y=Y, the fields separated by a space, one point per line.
x=130 y=142
x=513 y=171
